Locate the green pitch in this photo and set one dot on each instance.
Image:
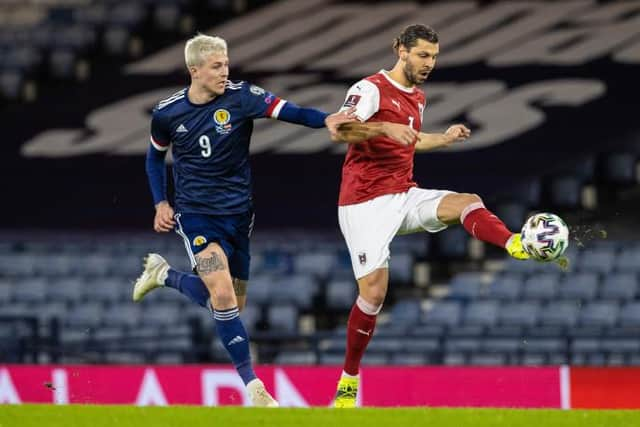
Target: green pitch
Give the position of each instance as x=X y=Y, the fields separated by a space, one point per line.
x=128 y=416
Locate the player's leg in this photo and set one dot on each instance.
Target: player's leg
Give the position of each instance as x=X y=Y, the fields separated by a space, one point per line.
x=368 y=229
x=158 y=273
x=481 y=223
x=360 y=328
x=213 y=268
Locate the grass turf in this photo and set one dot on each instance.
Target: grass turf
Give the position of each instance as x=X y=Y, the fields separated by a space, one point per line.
x=182 y=416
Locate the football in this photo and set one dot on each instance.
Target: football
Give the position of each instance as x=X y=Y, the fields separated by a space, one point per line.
x=545 y=237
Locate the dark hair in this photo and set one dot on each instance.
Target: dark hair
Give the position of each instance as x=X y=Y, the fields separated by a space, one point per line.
x=410 y=35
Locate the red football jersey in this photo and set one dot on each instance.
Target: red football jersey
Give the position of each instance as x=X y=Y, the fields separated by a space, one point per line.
x=380 y=165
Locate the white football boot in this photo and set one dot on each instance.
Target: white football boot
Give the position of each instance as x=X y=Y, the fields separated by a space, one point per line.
x=259 y=395
x=153 y=276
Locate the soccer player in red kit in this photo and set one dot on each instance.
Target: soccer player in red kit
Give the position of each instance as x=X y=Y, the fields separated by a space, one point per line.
x=378 y=196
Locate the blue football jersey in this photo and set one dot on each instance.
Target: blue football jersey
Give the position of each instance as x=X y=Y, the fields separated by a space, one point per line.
x=210 y=146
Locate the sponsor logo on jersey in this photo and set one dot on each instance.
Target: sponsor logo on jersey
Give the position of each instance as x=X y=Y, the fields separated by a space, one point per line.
x=256 y=90
x=199 y=240
x=352 y=101
x=396 y=103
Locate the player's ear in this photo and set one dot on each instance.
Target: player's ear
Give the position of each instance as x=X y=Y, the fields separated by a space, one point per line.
x=403 y=52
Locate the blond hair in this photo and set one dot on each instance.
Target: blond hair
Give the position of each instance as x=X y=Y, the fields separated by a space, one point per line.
x=198 y=48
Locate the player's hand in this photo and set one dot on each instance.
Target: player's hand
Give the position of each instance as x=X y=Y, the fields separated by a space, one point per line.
x=458 y=133
x=333 y=121
x=163 y=220
x=402 y=134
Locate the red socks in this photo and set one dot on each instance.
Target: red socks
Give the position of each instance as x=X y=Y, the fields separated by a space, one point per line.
x=362 y=322
x=484 y=225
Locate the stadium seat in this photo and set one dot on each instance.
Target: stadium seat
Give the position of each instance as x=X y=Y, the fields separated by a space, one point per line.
x=443 y=313
x=375 y=359
x=298 y=289
x=283 y=318
x=317 y=263
x=599 y=314
x=487 y=359
x=501 y=345
x=620 y=168
x=341 y=294
x=70 y=289
x=454 y=359
x=385 y=345
x=296 y=358
x=507 y=288
x=630 y=314
x=519 y=314
x=619 y=286
x=452 y=243
x=481 y=313
x=542 y=286
x=421 y=345
x=408 y=359
x=122 y=315
x=401 y=268
x=466 y=286
x=462 y=344
x=406 y=312
x=597 y=260
x=560 y=313
x=513 y=214
x=566 y=192
x=628 y=260
x=30 y=290
x=331 y=359
x=579 y=286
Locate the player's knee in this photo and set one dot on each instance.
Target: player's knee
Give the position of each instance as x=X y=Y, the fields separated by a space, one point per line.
x=471 y=198
x=224 y=296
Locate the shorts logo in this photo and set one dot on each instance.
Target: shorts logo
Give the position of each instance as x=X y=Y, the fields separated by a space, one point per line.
x=199 y=240
x=222 y=118
x=362 y=258
x=351 y=101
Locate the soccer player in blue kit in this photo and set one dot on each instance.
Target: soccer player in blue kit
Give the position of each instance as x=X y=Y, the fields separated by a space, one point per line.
x=208 y=127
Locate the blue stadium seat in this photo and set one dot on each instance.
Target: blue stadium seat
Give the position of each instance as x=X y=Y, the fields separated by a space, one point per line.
x=501 y=345
x=599 y=314
x=620 y=168
x=628 y=260
x=487 y=359
x=579 y=286
x=542 y=286
x=401 y=268
x=70 y=289
x=318 y=263
x=445 y=313
x=290 y=357
x=375 y=359
x=566 y=192
x=341 y=294
x=630 y=314
x=298 y=289
x=408 y=359
x=466 y=286
x=406 y=312
x=385 y=345
x=597 y=260
x=250 y=316
x=481 y=313
x=452 y=243
x=283 y=318
x=454 y=359
x=331 y=359
x=462 y=344
x=507 y=288
x=519 y=313
x=160 y=314
x=544 y=345
x=30 y=290
x=261 y=288
x=89 y=314
x=513 y=214
x=619 y=286
x=421 y=345
x=560 y=313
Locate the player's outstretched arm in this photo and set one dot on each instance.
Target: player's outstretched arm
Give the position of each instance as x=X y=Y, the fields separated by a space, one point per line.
x=432 y=141
x=357 y=132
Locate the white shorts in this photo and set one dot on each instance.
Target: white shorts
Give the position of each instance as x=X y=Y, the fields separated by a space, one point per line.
x=369 y=227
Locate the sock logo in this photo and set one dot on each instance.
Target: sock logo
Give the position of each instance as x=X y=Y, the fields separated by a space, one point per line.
x=363 y=332
x=237 y=340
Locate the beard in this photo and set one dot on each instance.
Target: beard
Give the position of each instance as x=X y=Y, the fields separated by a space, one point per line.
x=412 y=75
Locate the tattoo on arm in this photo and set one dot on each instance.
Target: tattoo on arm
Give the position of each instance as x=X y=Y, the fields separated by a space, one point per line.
x=213 y=263
x=240 y=287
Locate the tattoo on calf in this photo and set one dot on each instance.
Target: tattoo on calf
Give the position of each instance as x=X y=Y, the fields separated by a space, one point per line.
x=206 y=265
